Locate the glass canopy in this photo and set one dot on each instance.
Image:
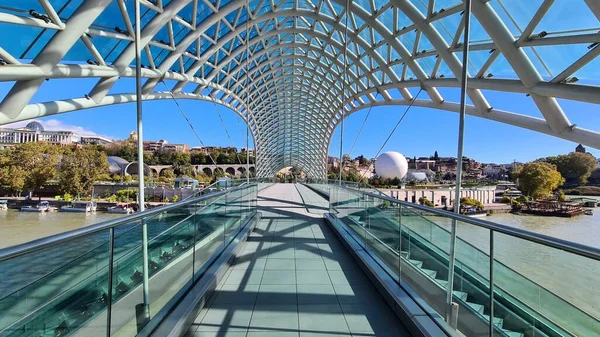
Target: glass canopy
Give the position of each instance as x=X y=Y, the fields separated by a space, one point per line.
x=294 y=68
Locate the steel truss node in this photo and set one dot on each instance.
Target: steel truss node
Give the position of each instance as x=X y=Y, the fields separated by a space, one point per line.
x=287 y=79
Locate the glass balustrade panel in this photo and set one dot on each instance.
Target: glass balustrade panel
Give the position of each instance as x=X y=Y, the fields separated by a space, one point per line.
x=557 y=288
x=55 y=290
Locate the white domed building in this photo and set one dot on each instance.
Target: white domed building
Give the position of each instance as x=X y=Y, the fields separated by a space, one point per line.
x=391 y=165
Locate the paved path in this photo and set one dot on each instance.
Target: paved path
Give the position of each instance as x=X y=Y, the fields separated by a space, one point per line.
x=294 y=278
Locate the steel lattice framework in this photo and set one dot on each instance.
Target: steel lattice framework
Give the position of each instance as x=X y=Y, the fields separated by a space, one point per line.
x=280 y=64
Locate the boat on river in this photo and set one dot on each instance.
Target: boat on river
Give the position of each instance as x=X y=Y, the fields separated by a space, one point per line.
x=80 y=207
x=43 y=206
x=566 y=209
x=3 y=205
x=473 y=212
x=588 y=211
x=121 y=208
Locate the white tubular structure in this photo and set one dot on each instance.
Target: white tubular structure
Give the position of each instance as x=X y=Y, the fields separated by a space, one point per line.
x=281 y=65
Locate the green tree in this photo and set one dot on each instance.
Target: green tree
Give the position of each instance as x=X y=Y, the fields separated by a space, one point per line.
x=127 y=151
x=426 y=202
x=466 y=202
x=436 y=157
x=363 y=160
x=28 y=166
x=197 y=158
x=183 y=170
x=13 y=178
x=80 y=168
x=539 y=179
x=167 y=173
x=574 y=166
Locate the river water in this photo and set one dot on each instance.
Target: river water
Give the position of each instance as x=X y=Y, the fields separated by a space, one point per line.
x=20 y=227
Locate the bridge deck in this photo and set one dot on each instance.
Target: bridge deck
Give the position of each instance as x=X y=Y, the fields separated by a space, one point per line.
x=295 y=278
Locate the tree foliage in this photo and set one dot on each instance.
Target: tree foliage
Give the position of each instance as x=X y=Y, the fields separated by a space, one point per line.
x=80 y=168
x=539 y=179
x=426 y=202
x=470 y=202
x=575 y=166
x=167 y=173
x=28 y=166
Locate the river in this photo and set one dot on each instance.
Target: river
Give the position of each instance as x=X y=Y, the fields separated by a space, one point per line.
x=20 y=227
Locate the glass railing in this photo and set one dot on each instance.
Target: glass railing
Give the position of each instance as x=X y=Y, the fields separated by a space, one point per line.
x=90 y=281
x=221 y=185
x=414 y=242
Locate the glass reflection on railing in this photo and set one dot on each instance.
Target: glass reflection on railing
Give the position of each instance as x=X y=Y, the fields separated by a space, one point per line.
x=64 y=289
x=414 y=244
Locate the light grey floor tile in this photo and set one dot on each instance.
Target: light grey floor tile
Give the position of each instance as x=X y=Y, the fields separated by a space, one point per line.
x=316 y=294
x=282 y=251
x=217 y=334
x=231 y=318
x=304 y=234
x=236 y=294
x=244 y=276
x=371 y=319
x=279 y=277
x=274 y=317
x=310 y=264
x=281 y=264
x=225 y=276
x=321 y=334
x=277 y=294
x=322 y=318
x=239 y=264
x=354 y=294
x=330 y=247
x=308 y=253
x=338 y=261
x=312 y=277
x=345 y=277
x=278 y=333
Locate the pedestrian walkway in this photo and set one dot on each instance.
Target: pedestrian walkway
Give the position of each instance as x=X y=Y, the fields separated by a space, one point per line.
x=294 y=278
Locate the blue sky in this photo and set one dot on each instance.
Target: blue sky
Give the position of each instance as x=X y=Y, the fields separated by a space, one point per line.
x=421 y=133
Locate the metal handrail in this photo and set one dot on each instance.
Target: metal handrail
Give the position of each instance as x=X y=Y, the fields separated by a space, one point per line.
x=568 y=246
x=36 y=245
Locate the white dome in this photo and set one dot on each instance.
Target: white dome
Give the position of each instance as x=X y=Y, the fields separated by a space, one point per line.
x=391 y=165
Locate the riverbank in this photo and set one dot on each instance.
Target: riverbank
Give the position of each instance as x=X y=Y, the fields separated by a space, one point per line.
x=17 y=203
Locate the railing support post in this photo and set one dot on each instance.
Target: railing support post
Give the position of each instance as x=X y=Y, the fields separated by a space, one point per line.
x=142 y=313
x=491 y=283
x=461 y=129
x=109 y=291
x=400 y=243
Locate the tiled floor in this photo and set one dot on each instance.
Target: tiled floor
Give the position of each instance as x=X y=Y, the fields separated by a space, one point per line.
x=294 y=278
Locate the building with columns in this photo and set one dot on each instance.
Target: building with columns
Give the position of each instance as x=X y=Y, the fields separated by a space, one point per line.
x=34 y=132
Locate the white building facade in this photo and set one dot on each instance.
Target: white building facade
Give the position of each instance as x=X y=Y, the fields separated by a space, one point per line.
x=34 y=132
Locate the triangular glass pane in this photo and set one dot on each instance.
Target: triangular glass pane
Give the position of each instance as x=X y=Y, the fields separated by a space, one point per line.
x=501 y=69
x=424 y=44
x=427 y=63
x=444 y=70
x=556 y=58
x=445 y=4
x=448 y=26
x=516 y=14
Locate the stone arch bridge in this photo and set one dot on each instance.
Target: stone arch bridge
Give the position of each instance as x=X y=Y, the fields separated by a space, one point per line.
x=231 y=169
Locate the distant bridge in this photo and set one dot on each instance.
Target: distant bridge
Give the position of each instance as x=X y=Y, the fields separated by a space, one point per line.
x=231 y=169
